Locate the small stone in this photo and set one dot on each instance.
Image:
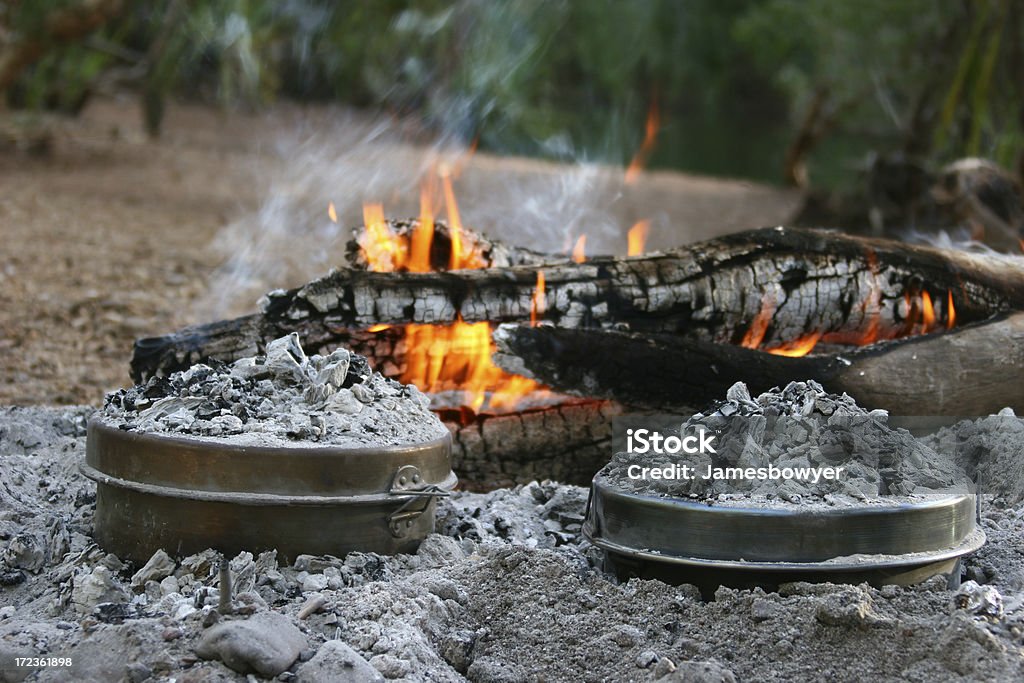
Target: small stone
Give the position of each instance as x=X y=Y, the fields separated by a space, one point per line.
x=850 y=608
x=699 y=672
x=138 y=672
x=312 y=583
x=7 y=611
x=390 y=666
x=335 y=661
x=763 y=610
x=265 y=644
x=159 y=567
x=980 y=601
x=169 y=585
x=97 y=587
x=664 y=667
x=25 y=551
x=646 y=658
x=363 y=393
x=170 y=633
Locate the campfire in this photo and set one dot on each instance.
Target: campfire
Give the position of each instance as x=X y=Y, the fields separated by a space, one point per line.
x=451 y=362
x=527 y=355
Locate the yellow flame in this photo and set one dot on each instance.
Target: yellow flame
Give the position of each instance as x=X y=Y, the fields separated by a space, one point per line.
x=423 y=235
x=332 y=213
x=579 y=251
x=647 y=146
x=636 y=239
x=800 y=346
x=538 y=303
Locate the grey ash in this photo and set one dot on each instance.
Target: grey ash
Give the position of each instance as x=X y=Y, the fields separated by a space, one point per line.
x=283 y=397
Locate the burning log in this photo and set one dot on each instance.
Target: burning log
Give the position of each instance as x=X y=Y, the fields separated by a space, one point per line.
x=783 y=284
x=424 y=245
x=567 y=442
x=972 y=370
x=777 y=290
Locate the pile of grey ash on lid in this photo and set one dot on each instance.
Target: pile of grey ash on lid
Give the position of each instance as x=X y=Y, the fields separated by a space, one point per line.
x=799 y=426
x=282 y=398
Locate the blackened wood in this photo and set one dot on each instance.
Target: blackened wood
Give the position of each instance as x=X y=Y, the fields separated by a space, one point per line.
x=711 y=291
x=974 y=370
x=567 y=443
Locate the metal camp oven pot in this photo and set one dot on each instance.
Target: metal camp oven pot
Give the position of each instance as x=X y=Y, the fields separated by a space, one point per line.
x=188 y=494
x=683 y=541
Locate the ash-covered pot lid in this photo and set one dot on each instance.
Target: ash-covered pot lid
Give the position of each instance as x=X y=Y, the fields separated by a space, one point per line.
x=282 y=423
x=856 y=492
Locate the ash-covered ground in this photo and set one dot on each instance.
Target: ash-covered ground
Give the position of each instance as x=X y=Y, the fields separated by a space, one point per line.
x=505 y=591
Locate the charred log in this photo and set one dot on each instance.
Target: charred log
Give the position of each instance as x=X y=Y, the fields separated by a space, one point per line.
x=568 y=443
x=974 y=370
x=792 y=280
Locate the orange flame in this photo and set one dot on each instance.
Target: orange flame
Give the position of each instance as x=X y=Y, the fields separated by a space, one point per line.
x=927 y=311
x=457 y=357
x=579 y=251
x=423 y=235
x=460 y=256
x=384 y=250
x=332 y=213
x=801 y=346
x=539 y=301
x=647 y=146
x=755 y=335
x=636 y=239
x=920 y=317
x=454 y=357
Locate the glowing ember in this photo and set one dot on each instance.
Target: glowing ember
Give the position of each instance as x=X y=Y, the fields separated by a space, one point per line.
x=918 y=314
x=378 y=328
x=579 y=251
x=798 y=347
x=636 y=239
x=647 y=146
x=755 y=335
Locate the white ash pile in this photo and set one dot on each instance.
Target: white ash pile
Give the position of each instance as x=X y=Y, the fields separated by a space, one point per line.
x=989 y=450
x=801 y=428
x=283 y=397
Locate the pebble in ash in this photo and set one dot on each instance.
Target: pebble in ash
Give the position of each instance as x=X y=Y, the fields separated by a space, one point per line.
x=282 y=398
x=841 y=453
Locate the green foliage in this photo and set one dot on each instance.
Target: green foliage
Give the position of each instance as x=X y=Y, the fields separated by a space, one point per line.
x=575 y=78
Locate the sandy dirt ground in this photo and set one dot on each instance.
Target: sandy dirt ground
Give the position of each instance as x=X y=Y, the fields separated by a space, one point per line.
x=113 y=236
